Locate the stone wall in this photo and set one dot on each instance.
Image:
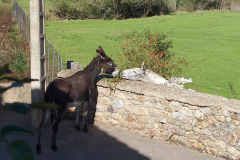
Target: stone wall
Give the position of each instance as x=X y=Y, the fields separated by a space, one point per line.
x=16 y=94
x=199 y=121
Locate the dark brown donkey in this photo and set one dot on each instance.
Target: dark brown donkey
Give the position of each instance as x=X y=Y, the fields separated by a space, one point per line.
x=75 y=90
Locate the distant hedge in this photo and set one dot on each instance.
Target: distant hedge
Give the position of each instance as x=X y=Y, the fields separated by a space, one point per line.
x=124 y=9
x=193 y=5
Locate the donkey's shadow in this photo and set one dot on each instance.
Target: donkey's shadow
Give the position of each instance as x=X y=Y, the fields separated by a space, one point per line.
x=93 y=104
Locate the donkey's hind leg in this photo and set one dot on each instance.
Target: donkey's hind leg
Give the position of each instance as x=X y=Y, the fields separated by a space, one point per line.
x=77 y=114
x=85 y=112
x=55 y=129
x=41 y=129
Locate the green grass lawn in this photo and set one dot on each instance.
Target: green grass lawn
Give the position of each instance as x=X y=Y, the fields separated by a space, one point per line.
x=26 y=3
x=209 y=40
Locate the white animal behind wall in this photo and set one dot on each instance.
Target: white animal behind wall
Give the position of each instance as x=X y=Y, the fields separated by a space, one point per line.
x=147 y=75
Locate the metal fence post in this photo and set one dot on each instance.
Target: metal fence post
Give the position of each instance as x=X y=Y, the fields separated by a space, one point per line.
x=14 y=9
x=53 y=62
x=61 y=65
x=48 y=62
x=58 y=62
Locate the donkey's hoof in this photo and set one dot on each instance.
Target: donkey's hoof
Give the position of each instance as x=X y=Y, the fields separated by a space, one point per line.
x=78 y=128
x=85 y=129
x=38 y=149
x=39 y=152
x=54 y=148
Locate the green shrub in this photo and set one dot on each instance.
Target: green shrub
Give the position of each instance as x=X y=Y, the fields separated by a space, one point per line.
x=65 y=9
x=153 y=48
x=5 y=7
x=138 y=8
x=193 y=5
x=7 y=1
x=110 y=9
x=18 y=62
x=124 y=9
x=235 y=6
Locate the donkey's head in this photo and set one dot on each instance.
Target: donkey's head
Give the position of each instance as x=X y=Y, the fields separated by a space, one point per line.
x=134 y=73
x=107 y=64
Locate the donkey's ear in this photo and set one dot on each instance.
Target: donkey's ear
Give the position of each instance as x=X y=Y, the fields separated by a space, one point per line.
x=143 y=68
x=100 y=54
x=102 y=51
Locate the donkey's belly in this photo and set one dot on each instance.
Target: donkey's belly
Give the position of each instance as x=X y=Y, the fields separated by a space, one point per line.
x=74 y=104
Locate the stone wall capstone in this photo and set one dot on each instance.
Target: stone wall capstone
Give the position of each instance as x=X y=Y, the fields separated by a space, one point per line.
x=199 y=121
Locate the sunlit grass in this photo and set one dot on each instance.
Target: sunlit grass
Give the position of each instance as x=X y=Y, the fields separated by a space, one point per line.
x=209 y=40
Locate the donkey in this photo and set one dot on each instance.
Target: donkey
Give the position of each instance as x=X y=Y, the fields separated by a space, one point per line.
x=75 y=90
x=147 y=75
x=143 y=74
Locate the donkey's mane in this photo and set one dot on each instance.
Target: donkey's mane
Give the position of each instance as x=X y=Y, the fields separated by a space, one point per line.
x=91 y=65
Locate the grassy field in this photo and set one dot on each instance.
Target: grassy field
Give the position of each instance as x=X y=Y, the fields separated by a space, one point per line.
x=26 y=3
x=209 y=40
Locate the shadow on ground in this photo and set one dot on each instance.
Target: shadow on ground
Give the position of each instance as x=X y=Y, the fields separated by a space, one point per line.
x=100 y=143
x=94 y=145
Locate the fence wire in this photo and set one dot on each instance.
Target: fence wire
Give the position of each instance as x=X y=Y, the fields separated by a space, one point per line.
x=22 y=20
x=53 y=60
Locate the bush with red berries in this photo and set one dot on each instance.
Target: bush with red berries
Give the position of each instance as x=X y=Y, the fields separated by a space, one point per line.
x=154 y=50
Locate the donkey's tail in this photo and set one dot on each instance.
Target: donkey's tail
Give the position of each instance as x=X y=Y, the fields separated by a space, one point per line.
x=48 y=98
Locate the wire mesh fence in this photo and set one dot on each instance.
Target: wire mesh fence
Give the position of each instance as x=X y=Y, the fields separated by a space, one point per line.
x=22 y=20
x=54 y=63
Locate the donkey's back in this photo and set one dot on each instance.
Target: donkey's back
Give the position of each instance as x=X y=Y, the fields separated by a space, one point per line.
x=70 y=89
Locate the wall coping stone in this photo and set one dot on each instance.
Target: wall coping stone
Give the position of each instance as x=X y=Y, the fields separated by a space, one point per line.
x=175 y=94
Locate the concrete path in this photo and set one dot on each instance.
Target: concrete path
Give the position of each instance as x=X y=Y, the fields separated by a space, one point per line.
x=101 y=143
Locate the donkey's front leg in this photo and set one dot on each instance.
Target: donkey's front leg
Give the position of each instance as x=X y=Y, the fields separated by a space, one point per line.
x=85 y=112
x=77 y=114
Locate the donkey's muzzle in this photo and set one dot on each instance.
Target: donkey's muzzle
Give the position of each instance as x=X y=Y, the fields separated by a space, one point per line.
x=115 y=73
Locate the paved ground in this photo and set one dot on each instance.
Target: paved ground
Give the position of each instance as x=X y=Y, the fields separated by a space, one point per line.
x=101 y=143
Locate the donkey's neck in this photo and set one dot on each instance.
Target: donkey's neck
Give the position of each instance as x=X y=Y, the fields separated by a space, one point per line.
x=94 y=68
